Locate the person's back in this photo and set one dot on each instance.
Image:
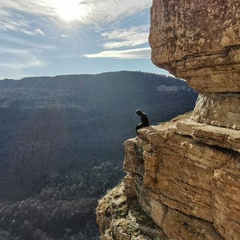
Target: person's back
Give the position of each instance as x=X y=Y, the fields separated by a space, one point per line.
x=144 y=120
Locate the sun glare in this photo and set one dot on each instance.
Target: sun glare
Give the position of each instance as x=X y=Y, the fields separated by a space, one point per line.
x=70 y=10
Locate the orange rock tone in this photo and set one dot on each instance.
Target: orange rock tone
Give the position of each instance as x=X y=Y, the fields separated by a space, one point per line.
x=183 y=176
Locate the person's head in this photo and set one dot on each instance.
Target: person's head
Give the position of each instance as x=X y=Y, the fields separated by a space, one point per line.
x=139 y=113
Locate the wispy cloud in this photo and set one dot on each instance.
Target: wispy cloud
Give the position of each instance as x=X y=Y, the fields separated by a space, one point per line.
x=17 y=55
x=131 y=37
x=14 y=62
x=39 y=33
x=15 y=22
x=19 y=43
x=123 y=54
x=110 y=10
x=18 y=59
x=34 y=32
x=40 y=7
x=10 y=23
x=20 y=16
x=97 y=11
x=64 y=35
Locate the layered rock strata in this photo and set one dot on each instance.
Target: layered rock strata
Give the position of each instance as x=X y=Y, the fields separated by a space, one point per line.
x=184 y=175
x=182 y=179
x=200 y=42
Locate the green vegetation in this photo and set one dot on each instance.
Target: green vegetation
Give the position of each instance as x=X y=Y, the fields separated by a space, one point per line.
x=61 y=145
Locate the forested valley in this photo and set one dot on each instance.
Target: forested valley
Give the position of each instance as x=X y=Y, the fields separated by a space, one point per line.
x=61 y=146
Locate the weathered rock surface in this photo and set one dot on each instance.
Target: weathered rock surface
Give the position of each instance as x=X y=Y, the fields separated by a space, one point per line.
x=198 y=41
x=184 y=175
x=121 y=217
x=187 y=184
x=221 y=110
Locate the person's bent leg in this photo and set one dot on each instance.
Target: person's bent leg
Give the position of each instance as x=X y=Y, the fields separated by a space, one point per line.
x=138 y=127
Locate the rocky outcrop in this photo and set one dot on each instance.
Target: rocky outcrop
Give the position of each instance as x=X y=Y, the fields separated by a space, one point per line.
x=183 y=175
x=188 y=178
x=185 y=179
x=120 y=216
x=198 y=41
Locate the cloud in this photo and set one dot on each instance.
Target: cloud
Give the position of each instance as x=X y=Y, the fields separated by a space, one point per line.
x=136 y=53
x=40 y=7
x=38 y=31
x=97 y=12
x=107 y=11
x=126 y=37
x=19 y=43
x=19 y=59
x=14 y=62
x=9 y=23
x=18 y=16
x=17 y=55
x=34 y=30
x=64 y=35
x=15 y=22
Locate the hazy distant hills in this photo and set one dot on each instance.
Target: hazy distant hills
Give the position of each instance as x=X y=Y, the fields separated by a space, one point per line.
x=62 y=136
x=77 y=121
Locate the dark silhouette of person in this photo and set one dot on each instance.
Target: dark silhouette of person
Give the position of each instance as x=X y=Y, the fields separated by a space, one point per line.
x=144 y=120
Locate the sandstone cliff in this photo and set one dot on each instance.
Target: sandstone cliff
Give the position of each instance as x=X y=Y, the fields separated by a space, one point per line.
x=183 y=176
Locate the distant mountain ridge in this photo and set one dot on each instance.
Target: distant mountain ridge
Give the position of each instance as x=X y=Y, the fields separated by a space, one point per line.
x=91 y=111
x=61 y=141
x=75 y=89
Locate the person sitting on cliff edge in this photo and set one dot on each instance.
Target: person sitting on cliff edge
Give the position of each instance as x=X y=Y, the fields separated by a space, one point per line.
x=144 y=120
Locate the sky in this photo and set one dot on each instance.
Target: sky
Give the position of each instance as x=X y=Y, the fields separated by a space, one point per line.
x=60 y=37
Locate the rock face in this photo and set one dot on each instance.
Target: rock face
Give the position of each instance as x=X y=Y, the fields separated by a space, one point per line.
x=183 y=176
x=198 y=41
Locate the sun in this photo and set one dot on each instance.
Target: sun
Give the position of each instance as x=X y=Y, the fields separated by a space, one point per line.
x=70 y=10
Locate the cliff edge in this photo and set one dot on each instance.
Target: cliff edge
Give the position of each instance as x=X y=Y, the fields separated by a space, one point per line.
x=183 y=176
